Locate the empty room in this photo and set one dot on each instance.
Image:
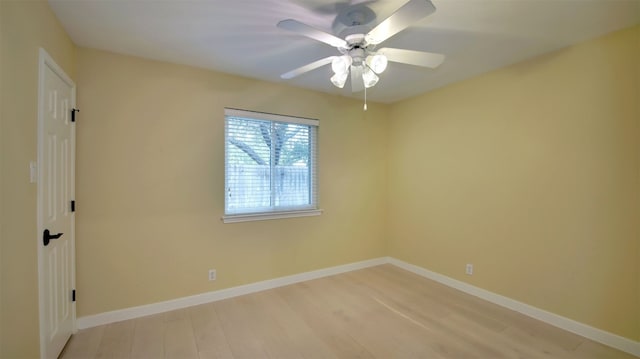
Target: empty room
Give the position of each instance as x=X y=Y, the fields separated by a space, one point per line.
x=320 y=179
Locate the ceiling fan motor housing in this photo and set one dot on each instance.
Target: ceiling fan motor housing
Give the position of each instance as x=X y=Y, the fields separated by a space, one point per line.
x=358 y=48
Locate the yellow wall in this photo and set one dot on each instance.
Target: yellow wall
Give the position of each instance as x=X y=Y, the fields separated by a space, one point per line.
x=26 y=26
x=531 y=173
x=150 y=180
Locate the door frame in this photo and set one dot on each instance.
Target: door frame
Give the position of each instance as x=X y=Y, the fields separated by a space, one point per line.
x=44 y=61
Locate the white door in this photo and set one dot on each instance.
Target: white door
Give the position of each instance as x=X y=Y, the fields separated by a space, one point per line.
x=56 y=250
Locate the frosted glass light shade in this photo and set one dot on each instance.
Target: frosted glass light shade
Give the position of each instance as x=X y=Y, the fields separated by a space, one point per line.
x=370 y=79
x=377 y=63
x=340 y=65
x=338 y=80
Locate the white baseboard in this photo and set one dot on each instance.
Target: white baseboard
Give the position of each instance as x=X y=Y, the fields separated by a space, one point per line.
x=598 y=335
x=155 y=308
x=595 y=334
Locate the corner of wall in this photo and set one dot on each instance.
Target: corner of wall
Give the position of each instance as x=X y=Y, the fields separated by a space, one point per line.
x=3 y=33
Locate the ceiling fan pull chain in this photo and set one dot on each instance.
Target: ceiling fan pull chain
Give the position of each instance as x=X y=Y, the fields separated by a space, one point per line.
x=365 y=99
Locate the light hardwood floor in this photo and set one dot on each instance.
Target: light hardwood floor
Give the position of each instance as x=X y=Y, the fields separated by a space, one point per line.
x=379 y=312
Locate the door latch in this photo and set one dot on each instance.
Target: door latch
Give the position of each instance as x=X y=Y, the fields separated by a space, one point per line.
x=47 y=237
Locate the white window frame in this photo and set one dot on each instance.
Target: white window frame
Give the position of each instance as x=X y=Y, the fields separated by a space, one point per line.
x=305 y=211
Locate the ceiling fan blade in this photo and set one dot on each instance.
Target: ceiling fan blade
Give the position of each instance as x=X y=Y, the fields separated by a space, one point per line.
x=417 y=58
x=404 y=17
x=308 y=67
x=312 y=32
x=357 y=83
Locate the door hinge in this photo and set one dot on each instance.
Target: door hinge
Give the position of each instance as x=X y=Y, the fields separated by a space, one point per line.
x=73 y=295
x=73 y=206
x=73 y=114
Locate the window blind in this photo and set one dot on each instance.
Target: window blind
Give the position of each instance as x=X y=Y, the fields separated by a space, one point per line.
x=270 y=163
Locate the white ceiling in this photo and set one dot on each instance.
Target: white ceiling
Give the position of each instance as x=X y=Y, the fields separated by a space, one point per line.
x=241 y=37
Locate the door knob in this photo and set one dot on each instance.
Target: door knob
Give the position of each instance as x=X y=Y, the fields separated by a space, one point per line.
x=47 y=237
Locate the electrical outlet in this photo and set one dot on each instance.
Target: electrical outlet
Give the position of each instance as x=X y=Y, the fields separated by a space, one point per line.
x=469 y=269
x=212 y=274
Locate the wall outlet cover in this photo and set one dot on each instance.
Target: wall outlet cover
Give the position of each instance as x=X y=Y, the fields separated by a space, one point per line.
x=469 y=269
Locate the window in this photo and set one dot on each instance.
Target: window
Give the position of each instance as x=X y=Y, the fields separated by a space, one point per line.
x=270 y=166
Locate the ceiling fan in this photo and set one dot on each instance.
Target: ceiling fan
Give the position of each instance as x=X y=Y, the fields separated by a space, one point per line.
x=358 y=48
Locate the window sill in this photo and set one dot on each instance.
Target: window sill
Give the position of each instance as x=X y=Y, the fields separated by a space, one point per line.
x=269 y=215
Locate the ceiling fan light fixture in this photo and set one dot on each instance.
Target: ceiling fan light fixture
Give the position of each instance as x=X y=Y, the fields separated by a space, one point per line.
x=369 y=77
x=338 y=80
x=377 y=63
x=341 y=64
